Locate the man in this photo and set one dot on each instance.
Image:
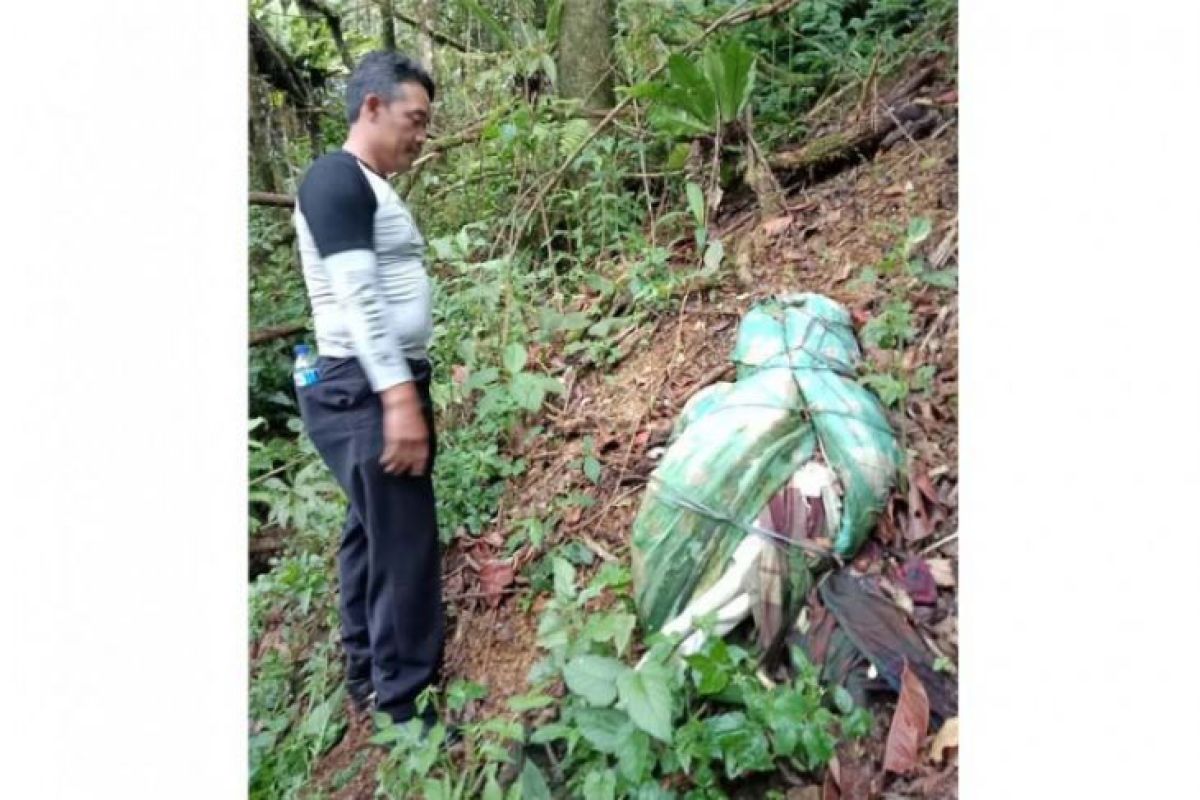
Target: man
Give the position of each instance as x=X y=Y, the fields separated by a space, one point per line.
x=369 y=413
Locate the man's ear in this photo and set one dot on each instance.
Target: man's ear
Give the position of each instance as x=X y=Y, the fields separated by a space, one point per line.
x=372 y=104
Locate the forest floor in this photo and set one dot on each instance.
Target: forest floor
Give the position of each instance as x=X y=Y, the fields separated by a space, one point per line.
x=831 y=232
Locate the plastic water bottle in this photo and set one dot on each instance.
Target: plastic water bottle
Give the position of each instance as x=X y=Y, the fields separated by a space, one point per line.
x=305 y=370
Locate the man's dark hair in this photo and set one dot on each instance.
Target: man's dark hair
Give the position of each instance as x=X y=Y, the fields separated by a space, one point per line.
x=379 y=72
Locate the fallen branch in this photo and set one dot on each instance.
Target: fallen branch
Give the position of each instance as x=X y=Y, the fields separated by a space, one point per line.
x=424 y=27
x=264 y=335
x=271 y=199
x=823 y=154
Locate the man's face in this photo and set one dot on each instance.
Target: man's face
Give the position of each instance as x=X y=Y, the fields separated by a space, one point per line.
x=401 y=127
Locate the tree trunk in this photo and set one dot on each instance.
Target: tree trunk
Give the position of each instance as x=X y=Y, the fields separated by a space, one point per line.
x=387 y=12
x=585 y=53
x=262 y=170
x=428 y=16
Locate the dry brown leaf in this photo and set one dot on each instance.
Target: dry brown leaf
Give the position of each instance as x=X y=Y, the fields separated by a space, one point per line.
x=776 y=226
x=459 y=374
x=807 y=793
x=921 y=523
x=946 y=738
x=926 y=486
x=942 y=571
x=909 y=725
x=494 y=577
x=829 y=789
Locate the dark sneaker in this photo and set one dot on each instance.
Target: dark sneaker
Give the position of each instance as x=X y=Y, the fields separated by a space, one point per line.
x=362 y=696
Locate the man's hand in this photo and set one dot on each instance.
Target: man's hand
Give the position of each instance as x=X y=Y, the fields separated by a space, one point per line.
x=405 y=435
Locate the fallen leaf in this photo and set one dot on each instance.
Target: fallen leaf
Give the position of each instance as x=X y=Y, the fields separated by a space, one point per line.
x=829 y=789
x=776 y=226
x=807 y=793
x=909 y=725
x=898 y=596
x=494 y=577
x=947 y=98
x=494 y=539
x=942 y=571
x=946 y=738
x=926 y=486
x=920 y=524
x=792 y=254
x=572 y=515
x=459 y=374
x=919 y=581
x=895 y=190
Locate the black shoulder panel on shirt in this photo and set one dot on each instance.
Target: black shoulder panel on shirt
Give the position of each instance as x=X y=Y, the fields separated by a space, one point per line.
x=338 y=204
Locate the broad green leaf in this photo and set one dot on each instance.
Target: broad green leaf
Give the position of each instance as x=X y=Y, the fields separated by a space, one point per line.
x=730 y=70
x=690 y=91
x=533 y=783
x=634 y=757
x=710 y=677
x=591 y=468
x=549 y=384
x=742 y=743
x=604 y=728
x=678 y=157
x=818 y=744
x=695 y=197
x=942 y=278
x=652 y=791
x=528 y=391
x=491 y=789
x=528 y=702
x=600 y=785
x=515 y=358
x=594 y=678
x=842 y=700
x=548 y=733
x=564 y=578
x=481 y=379
x=459 y=693
x=554 y=10
x=646 y=695
x=713 y=255
x=918 y=231
x=616 y=627
x=437 y=789
x=553 y=630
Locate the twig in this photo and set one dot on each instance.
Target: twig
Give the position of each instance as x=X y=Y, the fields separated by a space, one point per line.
x=479 y=593
x=277 y=471
x=940 y=542
x=264 y=335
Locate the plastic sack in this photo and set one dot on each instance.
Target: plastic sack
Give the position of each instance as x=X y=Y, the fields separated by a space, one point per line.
x=737 y=444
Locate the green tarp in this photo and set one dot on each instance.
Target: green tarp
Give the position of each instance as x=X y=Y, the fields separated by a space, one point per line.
x=735 y=445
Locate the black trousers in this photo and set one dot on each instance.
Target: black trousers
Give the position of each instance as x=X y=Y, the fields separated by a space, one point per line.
x=389 y=561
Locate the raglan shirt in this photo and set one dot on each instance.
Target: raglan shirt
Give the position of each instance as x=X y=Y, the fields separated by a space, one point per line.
x=364 y=267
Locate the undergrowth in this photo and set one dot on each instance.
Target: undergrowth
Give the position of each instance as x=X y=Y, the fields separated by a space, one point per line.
x=520 y=311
